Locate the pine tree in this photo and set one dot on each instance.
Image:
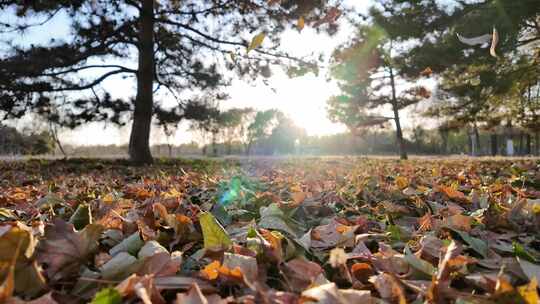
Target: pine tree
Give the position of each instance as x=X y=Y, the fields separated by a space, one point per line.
x=166 y=47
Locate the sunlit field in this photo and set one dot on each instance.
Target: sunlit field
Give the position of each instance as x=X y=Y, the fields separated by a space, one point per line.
x=270 y=152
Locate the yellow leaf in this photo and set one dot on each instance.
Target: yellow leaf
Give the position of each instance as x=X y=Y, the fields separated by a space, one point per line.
x=452 y=193
x=528 y=292
x=402 y=182
x=256 y=41
x=8 y=286
x=211 y=270
x=298 y=197
x=233 y=56
x=301 y=23
x=173 y=193
x=108 y=199
x=214 y=235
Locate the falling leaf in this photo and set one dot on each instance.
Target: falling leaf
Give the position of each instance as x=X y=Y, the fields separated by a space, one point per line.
x=426 y=72
x=215 y=236
x=475 y=40
x=256 y=41
x=301 y=23
x=494 y=42
x=331 y=16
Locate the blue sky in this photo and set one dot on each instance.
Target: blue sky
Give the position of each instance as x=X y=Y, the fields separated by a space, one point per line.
x=303 y=98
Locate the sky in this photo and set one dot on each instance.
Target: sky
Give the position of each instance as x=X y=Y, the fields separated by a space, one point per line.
x=303 y=99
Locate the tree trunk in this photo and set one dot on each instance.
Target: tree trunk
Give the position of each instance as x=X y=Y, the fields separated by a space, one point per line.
x=214 y=145
x=444 y=141
x=139 y=142
x=494 y=145
x=521 y=144
x=399 y=133
x=537 y=140
x=477 y=150
x=470 y=143
x=528 y=148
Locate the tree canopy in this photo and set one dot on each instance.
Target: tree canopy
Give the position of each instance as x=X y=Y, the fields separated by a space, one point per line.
x=167 y=48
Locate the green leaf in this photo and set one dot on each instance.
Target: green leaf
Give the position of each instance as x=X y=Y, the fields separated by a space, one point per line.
x=476 y=244
x=272 y=217
x=107 y=296
x=419 y=264
x=395 y=232
x=520 y=251
x=215 y=236
x=81 y=217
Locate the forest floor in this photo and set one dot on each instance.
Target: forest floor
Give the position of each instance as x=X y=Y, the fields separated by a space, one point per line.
x=271 y=230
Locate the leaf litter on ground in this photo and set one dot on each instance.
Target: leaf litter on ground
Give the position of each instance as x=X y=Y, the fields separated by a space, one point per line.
x=305 y=230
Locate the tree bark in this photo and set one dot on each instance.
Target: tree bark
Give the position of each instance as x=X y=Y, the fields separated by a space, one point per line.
x=537 y=140
x=214 y=144
x=395 y=108
x=470 y=142
x=139 y=142
x=521 y=144
x=477 y=150
x=444 y=141
x=528 y=148
x=494 y=144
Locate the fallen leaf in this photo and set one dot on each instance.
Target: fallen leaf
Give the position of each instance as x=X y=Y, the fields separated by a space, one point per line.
x=64 y=250
x=107 y=296
x=330 y=294
x=215 y=236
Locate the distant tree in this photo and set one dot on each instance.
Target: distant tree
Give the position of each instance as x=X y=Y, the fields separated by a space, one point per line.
x=15 y=142
x=261 y=127
x=285 y=135
x=166 y=47
x=478 y=90
x=234 y=123
x=370 y=77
